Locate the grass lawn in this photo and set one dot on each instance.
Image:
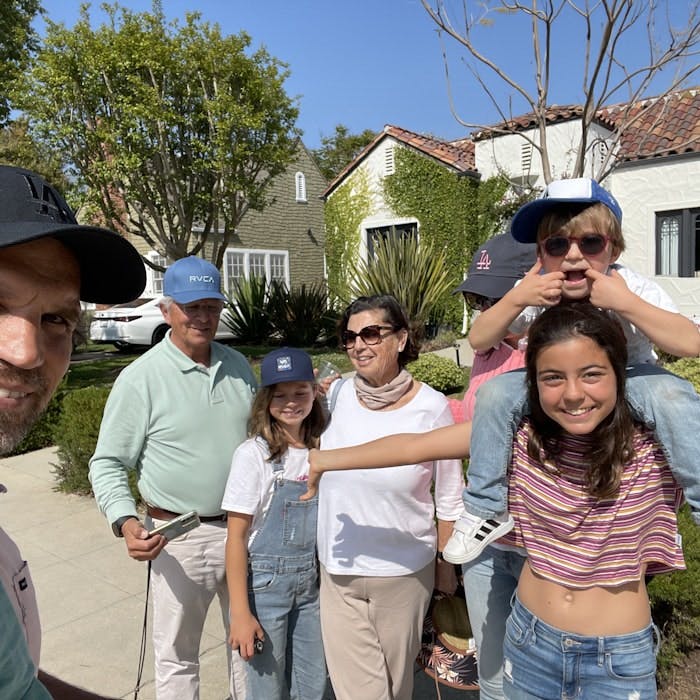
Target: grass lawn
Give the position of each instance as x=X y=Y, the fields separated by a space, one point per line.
x=104 y=370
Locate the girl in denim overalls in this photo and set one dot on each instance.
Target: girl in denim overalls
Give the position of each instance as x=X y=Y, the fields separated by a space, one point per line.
x=271 y=563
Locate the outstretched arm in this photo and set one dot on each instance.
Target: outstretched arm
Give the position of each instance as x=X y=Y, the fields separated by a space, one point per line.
x=450 y=442
x=671 y=332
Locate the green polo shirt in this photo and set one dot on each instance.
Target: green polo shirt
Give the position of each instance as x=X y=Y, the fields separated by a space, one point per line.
x=177 y=424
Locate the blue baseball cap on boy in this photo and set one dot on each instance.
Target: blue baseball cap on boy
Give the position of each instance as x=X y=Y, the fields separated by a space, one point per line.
x=581 y=190
x=497 y=265
x=191 y=279
x=286 y=365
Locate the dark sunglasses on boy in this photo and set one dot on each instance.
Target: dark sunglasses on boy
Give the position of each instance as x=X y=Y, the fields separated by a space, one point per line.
x=371 y=335
x=479 y=302
x=588 y=244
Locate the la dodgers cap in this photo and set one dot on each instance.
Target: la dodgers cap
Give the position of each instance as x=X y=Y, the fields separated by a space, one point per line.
x=286 y=365
x=580 y=190
x=191 y=279
x=497 y=265
x=111 y=269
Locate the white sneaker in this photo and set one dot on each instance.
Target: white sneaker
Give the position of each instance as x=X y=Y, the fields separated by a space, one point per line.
x=471 y=534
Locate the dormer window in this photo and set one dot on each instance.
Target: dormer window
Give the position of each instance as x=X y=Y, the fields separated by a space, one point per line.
x=300 y=185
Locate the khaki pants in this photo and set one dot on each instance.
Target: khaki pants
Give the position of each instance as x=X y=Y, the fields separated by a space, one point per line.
x=372 y=632
x=186 y=576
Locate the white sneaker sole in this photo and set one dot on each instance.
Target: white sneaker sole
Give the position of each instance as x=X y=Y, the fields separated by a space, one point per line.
x=463 y=546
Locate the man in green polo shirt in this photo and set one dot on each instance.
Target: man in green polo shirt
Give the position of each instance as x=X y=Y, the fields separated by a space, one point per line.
x=175 y=417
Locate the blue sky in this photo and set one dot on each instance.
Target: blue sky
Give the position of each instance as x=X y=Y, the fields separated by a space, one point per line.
x=367 y=63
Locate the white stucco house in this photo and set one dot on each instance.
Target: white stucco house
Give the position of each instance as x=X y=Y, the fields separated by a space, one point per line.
x=655 y=176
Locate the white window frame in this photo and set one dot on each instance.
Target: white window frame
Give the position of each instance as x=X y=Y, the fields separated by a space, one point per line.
x=263 y=260
x=678 y=242
x=155 y=277
x=300 y=186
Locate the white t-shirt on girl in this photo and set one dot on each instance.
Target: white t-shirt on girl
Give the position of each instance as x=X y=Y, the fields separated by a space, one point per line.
x=251 y=480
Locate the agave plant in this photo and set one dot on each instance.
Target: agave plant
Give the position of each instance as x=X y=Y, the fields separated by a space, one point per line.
x=413 y=272
x=301 y=315
x=247 y=303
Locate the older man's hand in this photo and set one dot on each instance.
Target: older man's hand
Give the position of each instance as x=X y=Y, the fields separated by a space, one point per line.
x=138 y=544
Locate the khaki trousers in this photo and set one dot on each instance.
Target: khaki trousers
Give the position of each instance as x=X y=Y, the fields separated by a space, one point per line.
x=371 y=628
x=186 y=576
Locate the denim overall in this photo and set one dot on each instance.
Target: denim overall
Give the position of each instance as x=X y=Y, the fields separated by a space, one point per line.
x=283 y=596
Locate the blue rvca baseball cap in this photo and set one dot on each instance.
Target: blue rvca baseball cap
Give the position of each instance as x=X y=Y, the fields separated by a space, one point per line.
x=580 y=190
x=191 y=279
x=286 y=365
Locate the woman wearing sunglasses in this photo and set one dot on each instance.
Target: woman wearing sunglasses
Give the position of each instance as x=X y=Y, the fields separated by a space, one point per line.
x=577 y=227
x=377 y=538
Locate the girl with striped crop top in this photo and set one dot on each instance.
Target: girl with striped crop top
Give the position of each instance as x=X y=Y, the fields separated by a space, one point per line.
x=594 y=504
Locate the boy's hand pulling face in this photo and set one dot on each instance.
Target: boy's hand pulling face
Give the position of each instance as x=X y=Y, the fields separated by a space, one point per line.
x=609 y=291
x=538 y=290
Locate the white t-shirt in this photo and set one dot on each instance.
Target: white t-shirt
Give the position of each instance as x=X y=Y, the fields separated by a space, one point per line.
x=380 y=522
x=639 y=348
x=251 y=481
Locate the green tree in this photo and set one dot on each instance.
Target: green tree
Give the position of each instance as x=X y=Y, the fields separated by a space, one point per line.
x=17 y=41
x=17 y=147
x=175 y=132
x=341 y=148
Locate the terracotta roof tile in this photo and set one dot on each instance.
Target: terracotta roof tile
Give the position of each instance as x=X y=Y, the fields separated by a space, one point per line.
x=665 y=125
x=662 y=126
x=458 y=155
x=553 y=114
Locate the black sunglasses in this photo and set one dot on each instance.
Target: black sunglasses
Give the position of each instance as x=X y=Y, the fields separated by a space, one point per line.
x=588 y=244
x=478 y=301
x=371 y=335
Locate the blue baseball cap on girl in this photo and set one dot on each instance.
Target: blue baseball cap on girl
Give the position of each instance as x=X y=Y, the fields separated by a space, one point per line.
x=286 y=365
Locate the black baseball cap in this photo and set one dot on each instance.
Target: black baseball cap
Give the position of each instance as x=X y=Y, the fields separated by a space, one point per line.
x=111 y=269
x=497 y=265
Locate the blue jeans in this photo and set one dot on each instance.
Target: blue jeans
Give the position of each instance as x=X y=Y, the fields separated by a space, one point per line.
x=283 y=595
x=541 y=661
x=662 y=401
x=489 y=583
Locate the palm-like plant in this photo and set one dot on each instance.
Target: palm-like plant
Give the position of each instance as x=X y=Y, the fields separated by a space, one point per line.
x=248 y=317
x=413 y=272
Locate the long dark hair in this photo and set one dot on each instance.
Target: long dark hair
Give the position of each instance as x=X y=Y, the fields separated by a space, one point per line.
x=612 y=440
x=263 y=424
x=394 y=315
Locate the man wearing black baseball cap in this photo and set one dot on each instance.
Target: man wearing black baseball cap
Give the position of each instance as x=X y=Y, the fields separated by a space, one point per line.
x=48 y=263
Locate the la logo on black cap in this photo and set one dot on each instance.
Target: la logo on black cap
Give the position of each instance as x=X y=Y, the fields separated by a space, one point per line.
x=484 y=261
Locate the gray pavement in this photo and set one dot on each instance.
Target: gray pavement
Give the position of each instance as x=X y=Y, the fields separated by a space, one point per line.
x=91 y=594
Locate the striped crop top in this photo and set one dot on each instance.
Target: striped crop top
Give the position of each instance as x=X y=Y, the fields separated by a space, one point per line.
x=577 y=540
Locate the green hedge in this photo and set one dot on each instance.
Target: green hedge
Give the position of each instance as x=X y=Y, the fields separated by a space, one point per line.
x=76 y=436
x=441 y=373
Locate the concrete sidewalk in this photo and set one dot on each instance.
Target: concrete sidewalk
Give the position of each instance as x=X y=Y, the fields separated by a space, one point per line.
x=91 y=594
